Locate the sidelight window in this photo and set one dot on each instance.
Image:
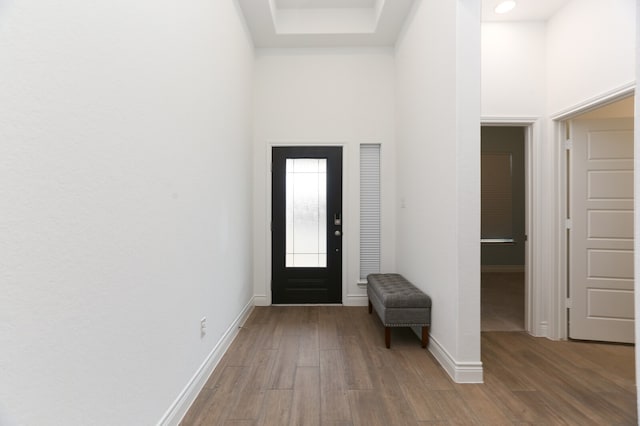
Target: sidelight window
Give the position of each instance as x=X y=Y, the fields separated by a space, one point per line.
x=369 y=209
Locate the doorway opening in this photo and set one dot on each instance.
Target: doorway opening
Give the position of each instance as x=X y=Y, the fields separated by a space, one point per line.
x=503 y=228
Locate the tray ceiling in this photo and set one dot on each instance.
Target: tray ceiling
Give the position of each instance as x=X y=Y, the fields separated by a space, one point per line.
x=334 y=23
x=325 y=23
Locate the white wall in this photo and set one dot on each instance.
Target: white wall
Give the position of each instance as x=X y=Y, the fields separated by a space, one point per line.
x=514 y=88
x=513 y=69
x=325 y=96
x=538 y=70
x=438 y=157
x=590 y=51
x=125 y=192
x=636 y=197
x=590 y=55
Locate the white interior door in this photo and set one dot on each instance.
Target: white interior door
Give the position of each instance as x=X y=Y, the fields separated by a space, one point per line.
x=601 y=235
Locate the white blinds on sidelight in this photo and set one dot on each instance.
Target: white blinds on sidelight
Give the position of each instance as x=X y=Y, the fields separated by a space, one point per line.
x=369 y=209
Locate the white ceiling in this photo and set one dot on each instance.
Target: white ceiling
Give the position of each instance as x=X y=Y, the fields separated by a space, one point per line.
x=525 y=10
x=331 y=23
x=324 y=4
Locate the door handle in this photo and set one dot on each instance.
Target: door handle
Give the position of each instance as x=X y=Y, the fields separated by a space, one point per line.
x=337 y=233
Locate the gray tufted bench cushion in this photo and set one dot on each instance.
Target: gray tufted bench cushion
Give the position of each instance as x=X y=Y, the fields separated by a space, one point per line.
x=399 y=303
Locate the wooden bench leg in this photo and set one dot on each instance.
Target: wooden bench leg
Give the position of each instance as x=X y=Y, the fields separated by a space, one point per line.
x=370 y=306
x=425 y=336
x=387 y=337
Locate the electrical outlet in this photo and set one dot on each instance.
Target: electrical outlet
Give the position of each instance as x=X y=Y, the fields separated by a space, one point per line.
x=203 y=326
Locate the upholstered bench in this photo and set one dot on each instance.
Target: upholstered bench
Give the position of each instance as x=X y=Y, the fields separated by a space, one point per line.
x=399 y=303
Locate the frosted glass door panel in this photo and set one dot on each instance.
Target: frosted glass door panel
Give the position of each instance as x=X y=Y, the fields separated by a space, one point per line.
x=306 y=213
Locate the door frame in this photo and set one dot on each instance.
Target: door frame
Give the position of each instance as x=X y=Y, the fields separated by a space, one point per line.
x=557 y=299
x=345 y=208
x=322 y=284
x=533 y=314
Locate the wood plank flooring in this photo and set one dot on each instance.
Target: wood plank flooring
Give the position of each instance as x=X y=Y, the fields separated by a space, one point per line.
x=502 y=301
x=328 y=366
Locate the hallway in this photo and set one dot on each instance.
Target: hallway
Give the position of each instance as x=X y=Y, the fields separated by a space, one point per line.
x=328 y=365
x=137 y=208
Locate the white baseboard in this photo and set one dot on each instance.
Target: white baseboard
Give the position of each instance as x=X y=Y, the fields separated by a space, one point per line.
x=181 y=405
x=356 y=300
x=502 y=268
x=542 y=330
x=460 y=372
x=262 y=300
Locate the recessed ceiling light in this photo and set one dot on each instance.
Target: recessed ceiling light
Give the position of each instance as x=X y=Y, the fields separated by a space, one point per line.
x=505 y=6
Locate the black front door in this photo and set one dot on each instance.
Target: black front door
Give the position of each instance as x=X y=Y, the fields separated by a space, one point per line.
x=306 y=215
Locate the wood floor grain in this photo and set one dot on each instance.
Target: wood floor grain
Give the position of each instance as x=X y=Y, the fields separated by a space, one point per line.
x=502 y=301
x=328 y=366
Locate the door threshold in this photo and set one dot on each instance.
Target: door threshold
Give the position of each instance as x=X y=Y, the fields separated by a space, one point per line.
x=307 y=304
